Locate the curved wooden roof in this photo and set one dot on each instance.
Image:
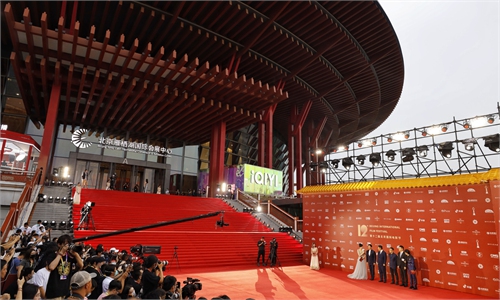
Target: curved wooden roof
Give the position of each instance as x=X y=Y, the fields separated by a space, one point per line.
x=342 y=55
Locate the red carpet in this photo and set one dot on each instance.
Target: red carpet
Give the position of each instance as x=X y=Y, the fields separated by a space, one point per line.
x=299 y=282
x=201 y=244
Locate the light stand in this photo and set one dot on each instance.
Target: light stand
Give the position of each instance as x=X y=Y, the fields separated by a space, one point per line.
x=86 y=216
x=176 y=257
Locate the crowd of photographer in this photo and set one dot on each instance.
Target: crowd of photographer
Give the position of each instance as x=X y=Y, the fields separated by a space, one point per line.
x=34 y=267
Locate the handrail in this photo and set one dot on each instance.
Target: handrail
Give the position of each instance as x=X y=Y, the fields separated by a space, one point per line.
x=15 y=208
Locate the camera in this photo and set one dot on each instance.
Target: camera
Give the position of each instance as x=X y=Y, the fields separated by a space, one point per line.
x=76 y=247
x=87 y=207
x=195 y=282
x=163 y=262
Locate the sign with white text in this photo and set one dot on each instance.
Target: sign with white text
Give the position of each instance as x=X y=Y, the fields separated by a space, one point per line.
x=262 y=180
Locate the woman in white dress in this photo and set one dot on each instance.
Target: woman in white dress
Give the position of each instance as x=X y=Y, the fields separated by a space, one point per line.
x=360 y=272
x=158 y=190
x=78 y=191
x=314 y=257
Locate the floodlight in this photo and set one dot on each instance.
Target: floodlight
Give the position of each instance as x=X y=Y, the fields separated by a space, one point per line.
x=347 y=163
x=375 y=159
x=390 y=155
x=422 y=150
x=492 y=142
x=335 y=163
x=469 y=144
x=408 y=154
x=445 y=149
x=361 y=159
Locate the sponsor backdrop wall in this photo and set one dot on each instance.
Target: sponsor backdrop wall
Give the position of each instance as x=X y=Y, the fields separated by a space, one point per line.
x=451 y=231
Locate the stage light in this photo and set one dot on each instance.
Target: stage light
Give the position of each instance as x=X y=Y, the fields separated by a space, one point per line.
x=375 y=159
x=319 y=151
x=424 y=133
x=53 y=224
x=259 y=208
x=466 y=125
x=444 y=128
x=492 y=142
x=347 y=163
x=361 y=159
x=491 y=119
x=400 y=136
x=479 y=122
x=422 y=150
x=21 y=156
x=45 y=223
x=445 y=149
x=389 y=139
x=41 y=197
x=62 y=224
x=469 y=144
x=390 y=155
x=436 y=129
x=408 y=154
x=70 y=224
x=335 y=163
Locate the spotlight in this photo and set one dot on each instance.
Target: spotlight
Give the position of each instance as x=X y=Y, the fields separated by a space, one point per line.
x=469 y=144
x=259 y=208
x=53 y=224
x=347 y=163
x=375 y=159
x=389 y=139
x=444 y=128
x=361 y=159
x=335 y=163
x=466 y=125
x=390 y=155
x=424 y=133
x=408 y=154
x=491 y=119
x=45 y=223
x=51 y=199
x=422 y=150
x=445 y=149
x=70 y=224
x=492 y=142
x=319 y=151
x=62 y=224
x=41 y=197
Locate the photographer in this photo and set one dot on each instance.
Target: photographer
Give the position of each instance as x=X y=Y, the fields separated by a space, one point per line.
x=152 y=277
x=262 y=251
x=61 y=263
x=273 y=251
x=172 y=287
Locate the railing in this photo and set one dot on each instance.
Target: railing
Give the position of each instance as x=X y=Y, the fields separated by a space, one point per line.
x=270 y=208
x=16 y=208
x=8 y=174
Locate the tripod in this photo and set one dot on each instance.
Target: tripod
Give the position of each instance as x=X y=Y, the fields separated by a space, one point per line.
x=273 y=256
x=86 y=218
x=176 y=257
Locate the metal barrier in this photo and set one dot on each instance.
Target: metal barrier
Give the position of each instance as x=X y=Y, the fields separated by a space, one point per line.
x=16 y=209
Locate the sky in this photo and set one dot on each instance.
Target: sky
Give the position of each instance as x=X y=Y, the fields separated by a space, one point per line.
x=451 y=57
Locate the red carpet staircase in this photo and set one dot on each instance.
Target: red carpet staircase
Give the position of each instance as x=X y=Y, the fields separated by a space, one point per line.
x=202 y=246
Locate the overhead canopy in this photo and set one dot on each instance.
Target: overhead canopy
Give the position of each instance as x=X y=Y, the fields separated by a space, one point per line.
x=124 y=65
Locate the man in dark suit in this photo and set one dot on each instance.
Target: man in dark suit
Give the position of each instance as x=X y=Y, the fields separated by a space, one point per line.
x=402 y=266
x=382 y=261
x=371 y=258
x=393 y=266
x=262 y=251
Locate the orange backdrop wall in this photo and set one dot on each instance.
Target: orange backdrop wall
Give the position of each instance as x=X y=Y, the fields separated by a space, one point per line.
x=451 y=231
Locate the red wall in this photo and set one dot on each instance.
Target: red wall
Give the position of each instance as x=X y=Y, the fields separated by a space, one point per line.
x=451 y=231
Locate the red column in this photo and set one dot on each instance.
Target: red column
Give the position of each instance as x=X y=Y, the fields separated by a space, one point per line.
x=298 y=144
x=217 y=151
x=49 y=131
x=291 y=158
x=262 y=145
x=269 y=137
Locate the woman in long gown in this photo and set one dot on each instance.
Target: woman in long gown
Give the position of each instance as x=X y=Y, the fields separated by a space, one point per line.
x=360 y=272
x=314 y=257
x=78 y=191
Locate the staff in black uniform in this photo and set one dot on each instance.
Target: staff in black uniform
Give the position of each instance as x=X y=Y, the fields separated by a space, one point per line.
x=262 y=250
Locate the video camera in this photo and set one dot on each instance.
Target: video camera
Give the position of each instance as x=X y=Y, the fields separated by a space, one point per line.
x=195 y=282
x=87 y=207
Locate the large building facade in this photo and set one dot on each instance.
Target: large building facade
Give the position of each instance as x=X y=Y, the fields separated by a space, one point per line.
x=164 y=90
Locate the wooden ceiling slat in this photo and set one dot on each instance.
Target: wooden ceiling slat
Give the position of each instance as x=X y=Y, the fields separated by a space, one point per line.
x=195 y=115
x=157 y=26
x=146 y=26
x=76 y=31
x=91 y=95
x=68 y=92
x=89 y=45
x=129 y=56
x=131 y=104
x=192 y=66
x=126 y=21
x=188 y=113
x=116 y=17
x=80 y=91
x=153 y=108
x=43 y=71
x=103 y=49
x=121 y=102
x=144 y=102
x=118 y=49
x=29 y=35
x=144 y=56
x=155 y=119
x=171 y=23
x=104 y=16
x=45 y=41
x=138 y=18
x=29 y=62
x=97 y=106
x=60 y=29
x=180 y=109
x=111 y=100
x=178 y=101
x=14 y=58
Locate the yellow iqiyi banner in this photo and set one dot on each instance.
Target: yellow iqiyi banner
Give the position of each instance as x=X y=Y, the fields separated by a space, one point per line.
x=262 y=180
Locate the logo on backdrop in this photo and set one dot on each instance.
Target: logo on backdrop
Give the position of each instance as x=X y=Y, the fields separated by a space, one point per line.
x=77 y=138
